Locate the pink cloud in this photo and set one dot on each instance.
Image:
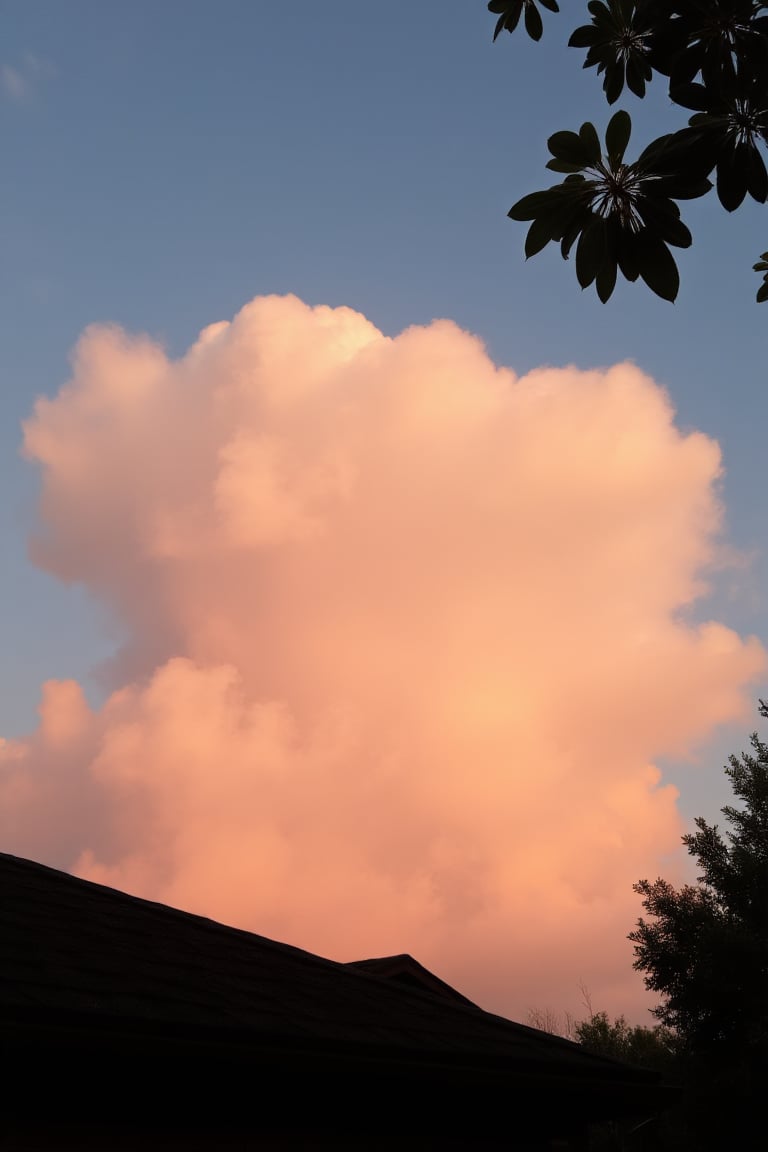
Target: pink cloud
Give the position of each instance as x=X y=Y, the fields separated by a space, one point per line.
x=407 y=634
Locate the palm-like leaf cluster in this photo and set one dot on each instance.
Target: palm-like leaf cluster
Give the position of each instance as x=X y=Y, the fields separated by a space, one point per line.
x=510 y=11
x=621 y=217
x=727 y=134
x=618 y=43
x=714 y=56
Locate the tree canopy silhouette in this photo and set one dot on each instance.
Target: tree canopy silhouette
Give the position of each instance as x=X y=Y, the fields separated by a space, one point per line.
x=633 y=1043
x=705 y=950
x=623 y=215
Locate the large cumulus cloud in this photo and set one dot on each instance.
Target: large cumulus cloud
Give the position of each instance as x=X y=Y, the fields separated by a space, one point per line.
x=406 y=634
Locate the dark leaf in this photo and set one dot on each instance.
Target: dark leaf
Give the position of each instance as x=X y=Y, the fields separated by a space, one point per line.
x=657 y=266
x=635 y=77
x=605 y=281
x=617 y=136
x=570 y=236
x=533 y=22
x=590 y=251
x=539 y=235
x=596 y=56
x=563 y=166
x=614 y=82
x=663 y=219
x=693 y=96
x=757 y=177
x=627 y=254
x=591 y=142
x=652 y=154
x=694 y=151
x=732 y=178
x=510 y=10
x=570 y=147
x=530 y=206
x=679 y=189
x=584 y=37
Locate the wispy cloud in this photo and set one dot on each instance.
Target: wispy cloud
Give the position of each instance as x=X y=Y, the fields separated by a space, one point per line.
x=20 y=82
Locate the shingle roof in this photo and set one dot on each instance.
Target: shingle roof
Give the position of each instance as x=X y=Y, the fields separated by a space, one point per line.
x=409 y=973
x=79 y=960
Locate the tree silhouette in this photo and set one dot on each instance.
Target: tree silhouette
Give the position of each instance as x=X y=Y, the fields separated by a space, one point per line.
x=705 y=950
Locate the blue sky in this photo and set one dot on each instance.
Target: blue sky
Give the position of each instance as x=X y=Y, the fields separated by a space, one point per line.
x=164 y=163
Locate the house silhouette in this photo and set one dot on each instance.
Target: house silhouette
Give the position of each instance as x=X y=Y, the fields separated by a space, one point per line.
x=130 y=1025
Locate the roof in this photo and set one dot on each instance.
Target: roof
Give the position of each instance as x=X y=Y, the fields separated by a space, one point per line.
x=87 y=971
x=408 y=972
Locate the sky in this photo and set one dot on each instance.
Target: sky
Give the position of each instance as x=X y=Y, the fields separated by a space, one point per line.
x=365 y=586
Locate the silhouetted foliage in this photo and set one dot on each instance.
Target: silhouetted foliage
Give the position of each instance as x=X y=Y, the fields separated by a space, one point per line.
x=652 y=1048
x=705 y=950
x=622 y=215
x=762 y=266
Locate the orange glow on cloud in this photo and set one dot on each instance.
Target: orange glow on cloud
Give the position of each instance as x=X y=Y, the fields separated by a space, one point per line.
x=405 y=638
